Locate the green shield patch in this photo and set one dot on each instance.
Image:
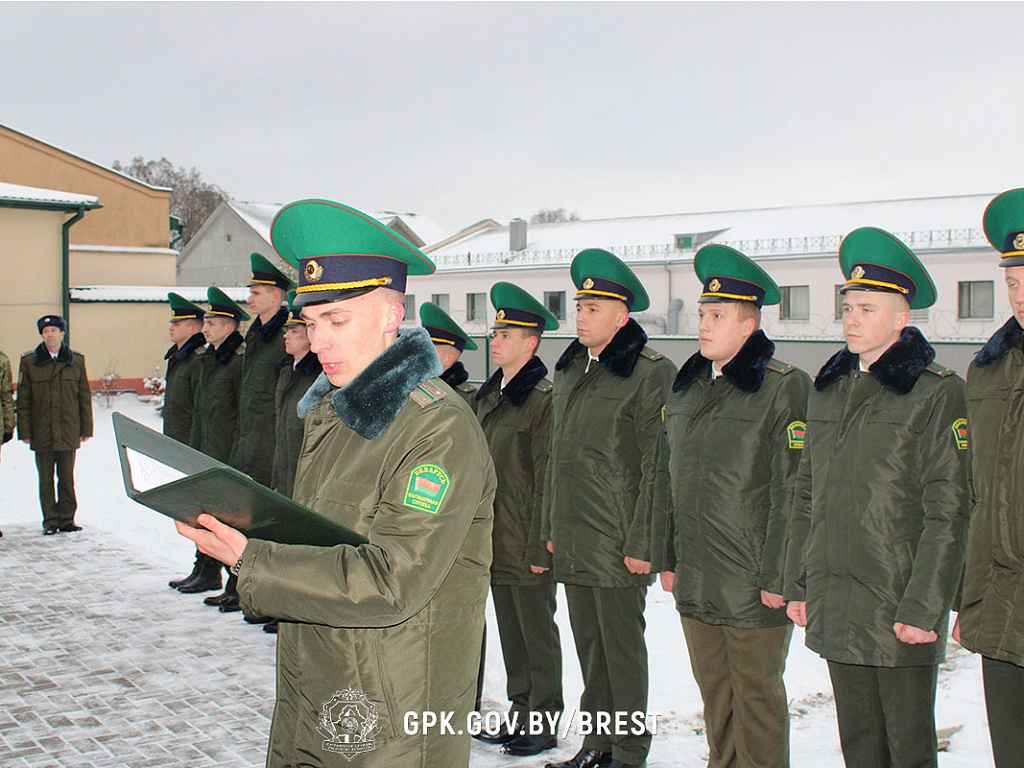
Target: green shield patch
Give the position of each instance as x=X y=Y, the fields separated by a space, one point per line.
x=428 y=485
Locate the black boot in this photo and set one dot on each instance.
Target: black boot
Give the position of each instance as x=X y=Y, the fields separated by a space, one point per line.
x=206 y=578
x=585 y=758
x=175 y=583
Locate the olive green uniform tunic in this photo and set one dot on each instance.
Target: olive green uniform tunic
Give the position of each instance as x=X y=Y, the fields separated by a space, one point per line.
x=220 y=381
x=293 y=381
x=181 y=388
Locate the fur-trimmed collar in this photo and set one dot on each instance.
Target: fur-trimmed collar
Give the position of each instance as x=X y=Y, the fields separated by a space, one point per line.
x=745 y=371
x=371 y=401
x=522 y=384
x=227 y=348
x=898 y=369
x=455 y=375
x=273 y=326
x=1006 y=338
x=185 y=350
x=621 y=354
x=64 y=355
x=309 y=365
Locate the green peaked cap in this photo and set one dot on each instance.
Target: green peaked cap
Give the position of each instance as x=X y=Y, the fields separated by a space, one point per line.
x=294 y=312
x=518 y=309
x=221 y=305
x=599 y=274
x=1004 y=226
x=265 y=273
x=442 y=329
x=183 y=309
x=728 y=275
x=874 y=260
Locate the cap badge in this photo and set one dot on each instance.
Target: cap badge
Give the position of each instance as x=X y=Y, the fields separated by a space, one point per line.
x=857 y=273
x=588 y=283
x=313 y=272
x=501 y=314
x=1018 y=242
x=715 y=285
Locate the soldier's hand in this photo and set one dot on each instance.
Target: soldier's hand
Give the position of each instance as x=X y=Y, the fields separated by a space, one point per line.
x=771 y=600
x=219 y=541
x=26 y=442
x=956 y=629
x=637 y=566
x=667 y=579
x=539 y=569
x=797 y=612
x=914 y=636
x=550 y=547
x=84 y=440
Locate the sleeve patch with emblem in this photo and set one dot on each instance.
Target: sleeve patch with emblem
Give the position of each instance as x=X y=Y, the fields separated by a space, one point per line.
x=796 y=433
x=428 y=485
x=960 y=434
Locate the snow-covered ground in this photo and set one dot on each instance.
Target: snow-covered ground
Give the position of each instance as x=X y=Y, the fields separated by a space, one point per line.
x=673 y=694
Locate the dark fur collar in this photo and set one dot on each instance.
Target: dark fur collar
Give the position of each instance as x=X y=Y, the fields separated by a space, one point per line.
x=226 y=351
x=309 y=365
x=371 y=401
x=621 y=354
x=272 y=328
x=1006 y=338
x=522 y=384
x=898 y=369
x=745 y=371
x=185 y=350
x=455 y=375
x=64 y=355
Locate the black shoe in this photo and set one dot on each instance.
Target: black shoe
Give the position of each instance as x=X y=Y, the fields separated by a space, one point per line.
x=620 y=764
x=585 y=758
x=203 y=582
x=526 y=744
x=216 y=600
x=50 y=530
x=230 y=605
x=500 y=736
x=257 y=619
x=70 y=528
x=271 y=627
x=175 y=583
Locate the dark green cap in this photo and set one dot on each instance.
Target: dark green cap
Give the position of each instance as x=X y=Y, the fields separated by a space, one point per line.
x=221 y=305
x=265 y=273
x=1004 y=226
x=598 y=274
x=729 y=275
x=518 y=309
x=294 y=312
x=874 y=260
x=442 y=329
x=182 y=309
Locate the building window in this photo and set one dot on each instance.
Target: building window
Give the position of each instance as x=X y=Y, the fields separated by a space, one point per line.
x=476 y=307
x=796 y=302
x=839 y=303
x=977 y=300
x=555 y=302
x=684 y=242
x=410 y=306
x=441 y=300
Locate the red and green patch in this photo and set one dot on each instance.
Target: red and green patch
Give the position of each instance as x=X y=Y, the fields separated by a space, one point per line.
x=960 y=434
x=796 y=433
x=428 y=485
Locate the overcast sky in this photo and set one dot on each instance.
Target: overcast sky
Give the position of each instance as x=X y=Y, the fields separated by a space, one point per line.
x=464 y=111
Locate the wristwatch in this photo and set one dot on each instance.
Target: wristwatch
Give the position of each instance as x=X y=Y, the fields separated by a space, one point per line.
x=233 y=570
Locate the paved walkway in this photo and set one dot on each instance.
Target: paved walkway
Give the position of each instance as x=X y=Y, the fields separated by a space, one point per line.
x=101 y=664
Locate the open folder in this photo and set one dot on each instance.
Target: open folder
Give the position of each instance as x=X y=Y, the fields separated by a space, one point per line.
x=182 y=483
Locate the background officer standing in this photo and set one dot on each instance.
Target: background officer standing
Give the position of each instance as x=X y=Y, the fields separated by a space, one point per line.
x=880 y=510
x=608 y=394
x=734 y=428
x=449 y=341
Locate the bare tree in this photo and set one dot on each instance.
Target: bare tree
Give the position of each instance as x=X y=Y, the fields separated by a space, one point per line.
x=551 y=215
x=192 y=200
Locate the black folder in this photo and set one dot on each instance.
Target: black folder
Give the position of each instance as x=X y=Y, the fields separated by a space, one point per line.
x=206 y=485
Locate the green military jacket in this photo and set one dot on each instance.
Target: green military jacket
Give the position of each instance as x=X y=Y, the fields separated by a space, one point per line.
x=292 y=383
x=733 y=446
x=517 y=423
x=881 y=505
x=220 y=381
x=253 y=451
x=181 y=388
x=6 y=397
x=605 y=436
x=396 y=623
x=992 y=602
x=54 y=406
x=457 y=377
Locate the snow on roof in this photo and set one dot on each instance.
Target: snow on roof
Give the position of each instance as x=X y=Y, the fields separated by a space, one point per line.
x=260 y=216
x=150 y=293
x=20 y=193
x=752 y=227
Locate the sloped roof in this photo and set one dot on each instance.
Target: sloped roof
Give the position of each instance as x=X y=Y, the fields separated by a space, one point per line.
x=150 y=293
x=46 y=197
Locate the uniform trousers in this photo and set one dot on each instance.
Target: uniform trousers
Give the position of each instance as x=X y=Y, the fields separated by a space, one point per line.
x=58 y=509
x=531 y=649
x=739 y=672
x=886 y=715
x=608 y=626
x=1004 y=703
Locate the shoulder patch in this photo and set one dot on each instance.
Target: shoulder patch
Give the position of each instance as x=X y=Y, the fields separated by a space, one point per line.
x=940 y=370
x=650 y=354
x=780 y=367
x=796 y=434
x=426 y=393
x=960 y=434
x=544 y=385
x=428 y=485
